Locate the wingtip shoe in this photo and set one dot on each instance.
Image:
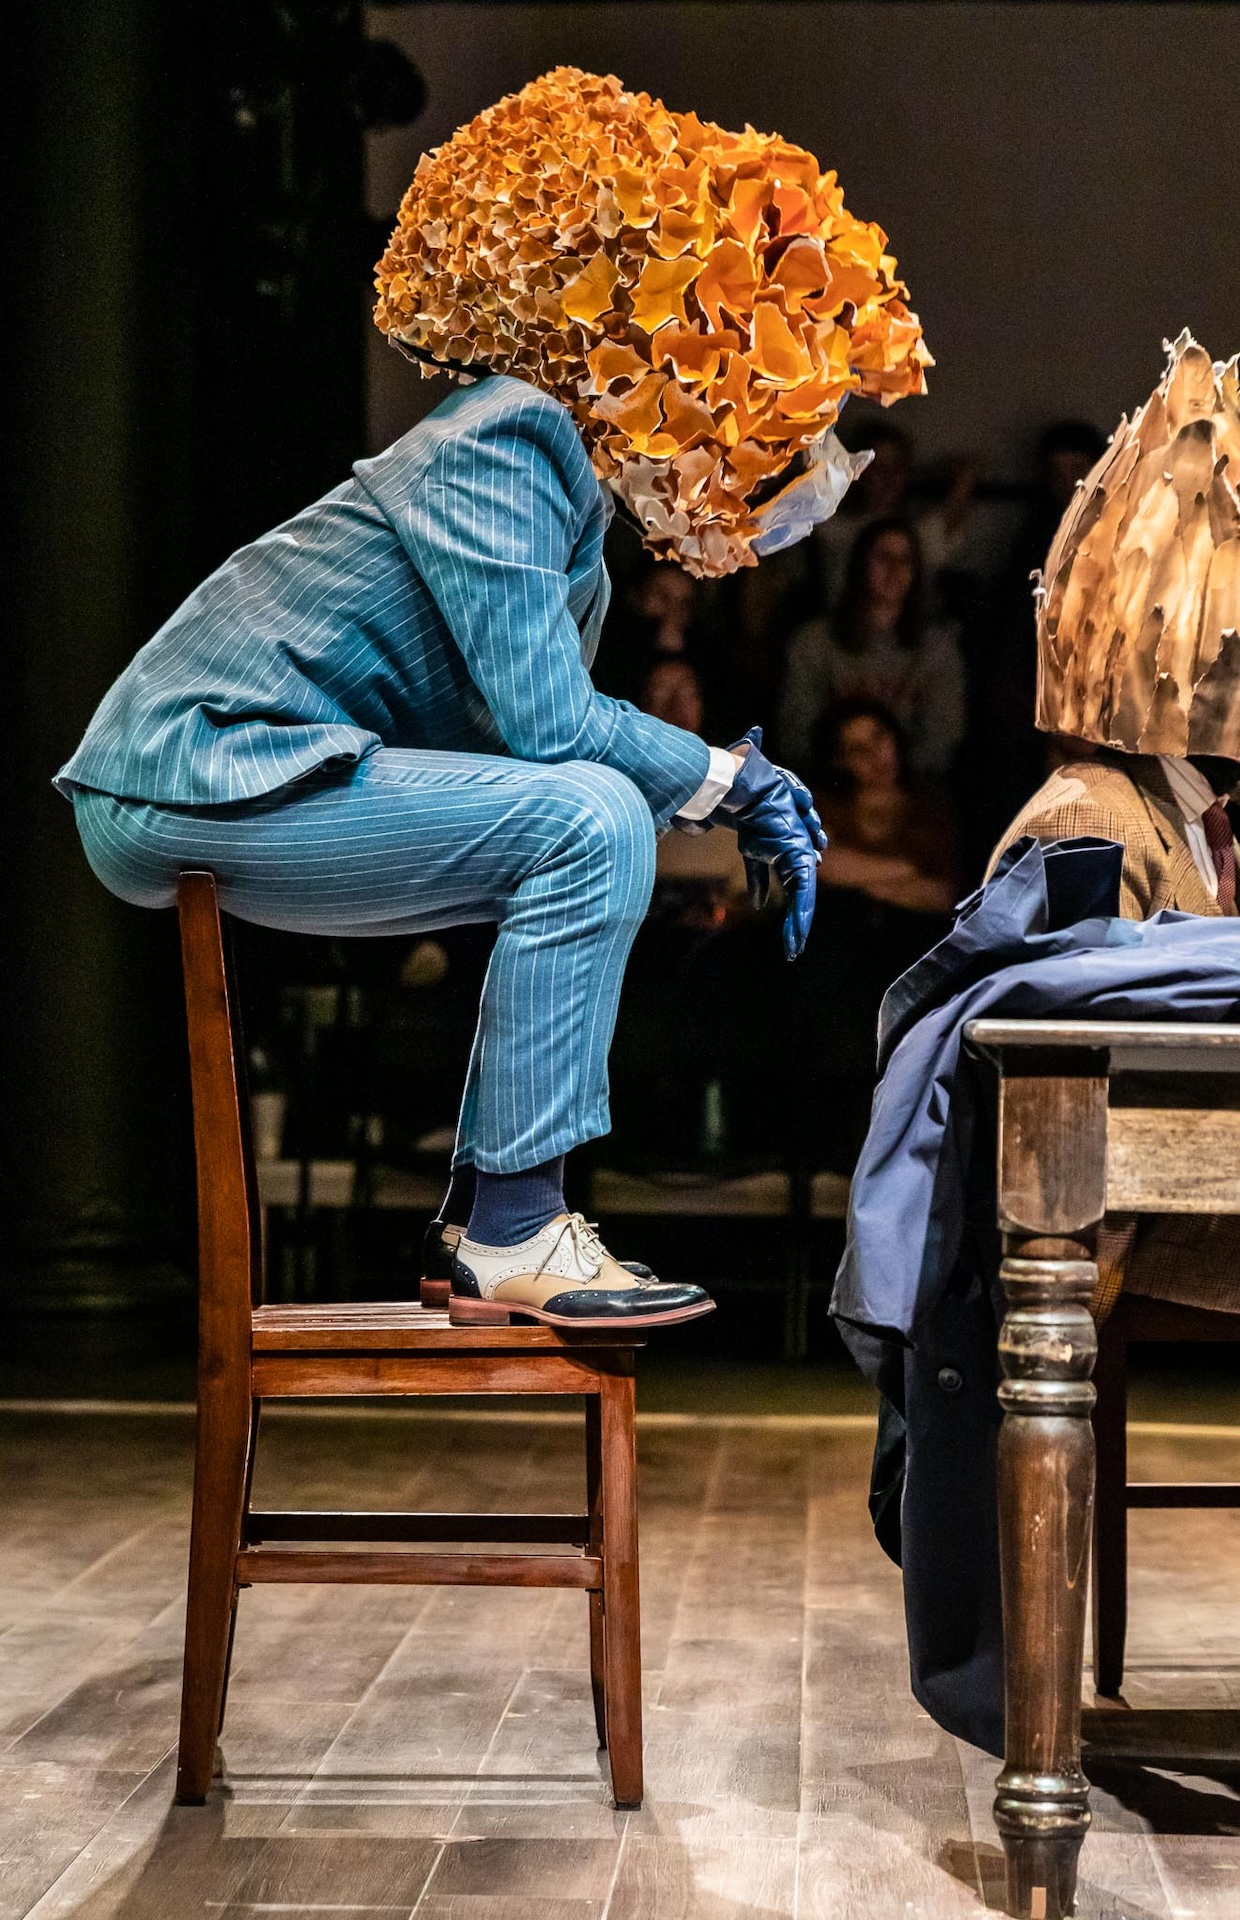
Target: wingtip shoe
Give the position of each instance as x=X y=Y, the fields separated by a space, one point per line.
x=439 y=1245
x=563 y=1277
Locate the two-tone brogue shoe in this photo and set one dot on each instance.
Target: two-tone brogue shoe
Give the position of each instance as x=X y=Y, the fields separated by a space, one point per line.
x=440 y=1243
x=563 y=1277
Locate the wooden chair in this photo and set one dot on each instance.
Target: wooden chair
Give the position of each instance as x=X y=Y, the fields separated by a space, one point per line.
x=249 y=1352
x=1137 y=1321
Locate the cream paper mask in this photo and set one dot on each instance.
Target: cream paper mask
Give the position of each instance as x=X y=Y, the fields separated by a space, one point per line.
x=702 y=302
x=1139 y=606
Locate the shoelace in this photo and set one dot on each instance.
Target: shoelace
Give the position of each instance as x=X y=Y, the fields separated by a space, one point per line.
x=588 y=1248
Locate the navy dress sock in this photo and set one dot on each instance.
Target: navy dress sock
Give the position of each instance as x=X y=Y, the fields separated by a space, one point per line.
x=458 y=1201
x=512 y=1207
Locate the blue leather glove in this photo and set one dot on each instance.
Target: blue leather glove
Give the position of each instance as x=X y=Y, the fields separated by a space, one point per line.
x=776 y=826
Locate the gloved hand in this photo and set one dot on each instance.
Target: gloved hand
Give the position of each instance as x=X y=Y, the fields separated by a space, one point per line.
x=776 y=826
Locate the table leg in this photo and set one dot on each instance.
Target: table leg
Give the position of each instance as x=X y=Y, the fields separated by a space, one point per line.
x=1046 y=1488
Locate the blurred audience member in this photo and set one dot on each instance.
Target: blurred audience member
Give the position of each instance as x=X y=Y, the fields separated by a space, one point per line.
x=877 y=645
x=654 y=620
x=944 y=524
x=1007 y=758
x=888 y=881
x=673 y=692
x=889 y=838
x=1066 y=452
x=880 y=493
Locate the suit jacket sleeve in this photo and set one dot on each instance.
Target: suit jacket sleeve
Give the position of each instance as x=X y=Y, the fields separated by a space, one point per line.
x=491 y=530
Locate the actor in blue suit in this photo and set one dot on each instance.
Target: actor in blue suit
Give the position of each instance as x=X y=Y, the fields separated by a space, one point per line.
x=379 y=718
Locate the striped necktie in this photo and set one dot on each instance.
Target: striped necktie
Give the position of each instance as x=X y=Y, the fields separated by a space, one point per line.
x=1217 y=828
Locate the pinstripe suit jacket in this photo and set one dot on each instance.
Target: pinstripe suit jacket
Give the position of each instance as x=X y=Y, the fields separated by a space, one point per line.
x=1128 y=801
x=448 y=596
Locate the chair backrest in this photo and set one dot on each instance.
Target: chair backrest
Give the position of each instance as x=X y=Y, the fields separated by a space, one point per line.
x=229 y=1228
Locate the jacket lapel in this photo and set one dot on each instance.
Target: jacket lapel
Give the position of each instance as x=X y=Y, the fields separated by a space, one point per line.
x=1189 y=892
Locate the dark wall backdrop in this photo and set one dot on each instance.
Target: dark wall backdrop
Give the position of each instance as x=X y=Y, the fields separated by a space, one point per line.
x=190 y=306
x=1058 y=180
x=100 y=381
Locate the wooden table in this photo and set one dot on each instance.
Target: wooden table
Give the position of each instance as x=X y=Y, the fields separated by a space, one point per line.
x=1134 y=1117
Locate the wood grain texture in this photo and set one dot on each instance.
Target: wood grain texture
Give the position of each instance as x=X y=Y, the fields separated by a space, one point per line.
x=578 y=1570
x=365 y=1376
x=622 y=1654
x=782 y=1744
x=1052 y=1143
x=1045 y=1480
x=1175 y=1045
x=358 y=1325
x=1173 y=1160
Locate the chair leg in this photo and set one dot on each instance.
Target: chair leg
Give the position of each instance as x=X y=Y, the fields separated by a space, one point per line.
x=1110 y=1590
x=255 y=1410
x=220 y=1477
x=594 y=1507
x=621 y=1601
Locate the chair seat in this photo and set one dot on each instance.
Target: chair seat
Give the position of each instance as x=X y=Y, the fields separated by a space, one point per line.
x=389 y=1326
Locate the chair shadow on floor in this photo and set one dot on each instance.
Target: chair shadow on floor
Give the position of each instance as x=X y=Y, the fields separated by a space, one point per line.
x=1156 y=1763
x=369 y=1847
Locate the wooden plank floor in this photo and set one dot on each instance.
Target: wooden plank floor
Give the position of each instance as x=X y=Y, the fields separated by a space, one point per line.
x=395 y=1752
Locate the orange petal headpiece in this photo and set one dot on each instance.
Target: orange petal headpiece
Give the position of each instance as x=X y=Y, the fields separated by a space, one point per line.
x=700 y=300
x=1139 y=612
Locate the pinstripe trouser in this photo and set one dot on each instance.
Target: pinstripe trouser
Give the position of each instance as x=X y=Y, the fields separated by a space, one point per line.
x=562 y=857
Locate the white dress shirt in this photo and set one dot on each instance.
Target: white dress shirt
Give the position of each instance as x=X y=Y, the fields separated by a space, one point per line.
x=1194 y=796
x=720 y=778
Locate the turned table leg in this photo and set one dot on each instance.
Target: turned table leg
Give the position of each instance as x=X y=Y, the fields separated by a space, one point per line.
x=1046 y=1490
x=1052 y=1171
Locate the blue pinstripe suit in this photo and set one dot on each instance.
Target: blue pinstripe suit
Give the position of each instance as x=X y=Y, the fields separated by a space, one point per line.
x=379 y=719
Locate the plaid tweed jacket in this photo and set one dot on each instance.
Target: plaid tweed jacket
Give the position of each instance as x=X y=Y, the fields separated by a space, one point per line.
x=1128 y=801
x=1190 y=1258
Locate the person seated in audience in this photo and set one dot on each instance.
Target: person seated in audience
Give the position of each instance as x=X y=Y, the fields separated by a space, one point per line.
x=673 y=692
x=944 y=519
x=889 y=837
x=877 y=645
x=891 y=867
x=880 y=493
x=1008 y=757
x=655 y=619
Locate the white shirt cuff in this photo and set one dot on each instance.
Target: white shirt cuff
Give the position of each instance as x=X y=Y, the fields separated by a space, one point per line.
x=718 y=781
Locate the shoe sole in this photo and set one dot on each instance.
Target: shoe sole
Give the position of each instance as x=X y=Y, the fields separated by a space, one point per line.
x=464 y=1312
x=434 y=1295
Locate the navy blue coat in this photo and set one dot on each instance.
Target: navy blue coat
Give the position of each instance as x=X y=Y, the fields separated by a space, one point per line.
x=916 y=1297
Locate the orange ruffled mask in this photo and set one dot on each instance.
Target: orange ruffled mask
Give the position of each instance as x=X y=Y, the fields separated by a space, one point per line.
x=700 y=300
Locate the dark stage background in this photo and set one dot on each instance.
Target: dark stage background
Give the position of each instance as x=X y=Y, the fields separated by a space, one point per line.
x=198 y=212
